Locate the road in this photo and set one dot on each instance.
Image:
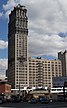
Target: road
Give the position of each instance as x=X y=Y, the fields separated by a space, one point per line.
x=38 y=105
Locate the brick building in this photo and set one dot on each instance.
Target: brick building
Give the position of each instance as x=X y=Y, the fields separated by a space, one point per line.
x=5 y=88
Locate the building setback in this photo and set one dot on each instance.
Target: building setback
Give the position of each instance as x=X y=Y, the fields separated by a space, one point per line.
x=24 y=71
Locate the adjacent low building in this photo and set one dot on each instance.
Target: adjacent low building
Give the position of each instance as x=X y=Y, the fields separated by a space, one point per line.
x=41 y=72
x=40 y=92
x=5 y=88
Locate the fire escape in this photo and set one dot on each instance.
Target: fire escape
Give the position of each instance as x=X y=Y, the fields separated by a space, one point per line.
x=40 y=74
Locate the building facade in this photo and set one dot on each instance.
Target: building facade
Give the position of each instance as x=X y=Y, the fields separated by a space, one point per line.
x=24 y=71
x=63 y=57
x=41 y=72
x=17 y=47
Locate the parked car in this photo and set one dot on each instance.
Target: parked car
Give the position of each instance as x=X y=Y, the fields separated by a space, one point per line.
x=1 y=100
x=33 y=100
x=51 y=100
x=25 y=99
x=15 y=99
x=44 y=100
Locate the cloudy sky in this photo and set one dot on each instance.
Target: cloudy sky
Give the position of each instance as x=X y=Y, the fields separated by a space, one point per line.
x=47 y=27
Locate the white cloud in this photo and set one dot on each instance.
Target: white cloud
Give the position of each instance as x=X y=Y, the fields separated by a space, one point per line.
x=1 y=13
x=10 y=4
x=47 y=18
x=3 y=44
x=47 y=45
x=3 y=66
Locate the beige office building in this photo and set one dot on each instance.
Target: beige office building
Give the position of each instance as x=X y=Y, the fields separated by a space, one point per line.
x=41 y=72
x=24 y=71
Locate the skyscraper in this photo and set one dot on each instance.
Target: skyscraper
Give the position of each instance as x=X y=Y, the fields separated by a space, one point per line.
x=17 y=47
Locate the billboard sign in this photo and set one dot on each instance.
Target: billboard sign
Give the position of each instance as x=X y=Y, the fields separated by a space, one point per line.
x=59 y=81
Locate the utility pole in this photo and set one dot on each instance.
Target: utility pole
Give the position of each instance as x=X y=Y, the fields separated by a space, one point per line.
x=64 y=93
x=19 y=88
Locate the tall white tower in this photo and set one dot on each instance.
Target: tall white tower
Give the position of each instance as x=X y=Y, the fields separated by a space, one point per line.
x=17 y=47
